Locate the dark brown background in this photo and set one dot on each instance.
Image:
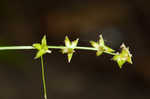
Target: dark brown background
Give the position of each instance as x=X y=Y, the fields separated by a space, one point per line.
x=23 y=22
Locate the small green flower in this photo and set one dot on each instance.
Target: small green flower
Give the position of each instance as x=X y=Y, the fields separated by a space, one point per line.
x=42 y=48
x=124 y=56
x=100 y=46
x=69 y=47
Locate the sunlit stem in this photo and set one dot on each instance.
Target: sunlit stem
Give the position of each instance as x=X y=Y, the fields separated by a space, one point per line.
x=51 y=47
x=16 y=48
x=43 y=78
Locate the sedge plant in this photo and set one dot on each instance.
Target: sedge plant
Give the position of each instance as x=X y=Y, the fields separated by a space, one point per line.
x=69 y=48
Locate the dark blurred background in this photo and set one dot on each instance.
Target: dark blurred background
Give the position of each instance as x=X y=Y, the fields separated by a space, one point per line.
x=23 y=22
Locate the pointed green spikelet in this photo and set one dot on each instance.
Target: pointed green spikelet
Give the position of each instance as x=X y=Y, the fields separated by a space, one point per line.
x=94 y=44
x=100 y=46
x=42 y=48
x=98 y=53
x=70 y=57
x=37 y=46
x=101 y=40
x=44 y=42
x=39 y=54
x=69 y=47
x=123 y=57
x=67 y=42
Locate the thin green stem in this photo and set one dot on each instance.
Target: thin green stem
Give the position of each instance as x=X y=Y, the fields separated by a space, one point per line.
x=43 y=78
x=86 y=48
x=51 y=47
x=16 y=48
x=110 y=53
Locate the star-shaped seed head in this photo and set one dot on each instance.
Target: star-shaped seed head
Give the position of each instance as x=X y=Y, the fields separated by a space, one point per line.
x=69 y=47
x=42 y=48
x=124 y=56
x=100 y=46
